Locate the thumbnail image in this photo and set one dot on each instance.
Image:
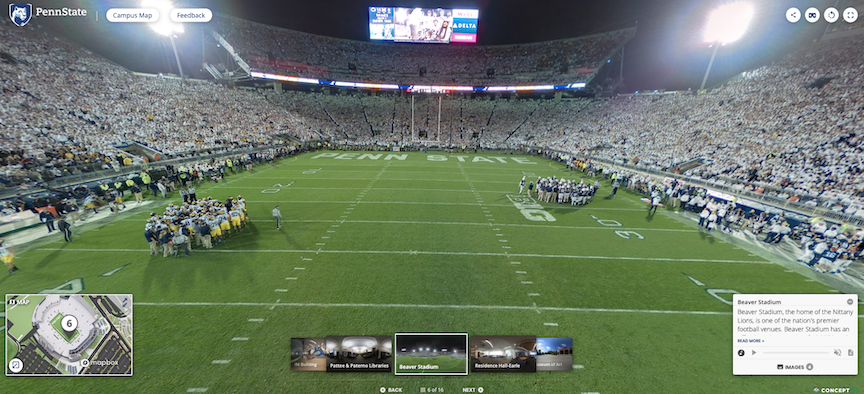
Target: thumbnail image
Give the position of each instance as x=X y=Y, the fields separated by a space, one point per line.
x=307 y=354
x=359 y=353
x=554 y=354
x=431 y=354
x=503 y=354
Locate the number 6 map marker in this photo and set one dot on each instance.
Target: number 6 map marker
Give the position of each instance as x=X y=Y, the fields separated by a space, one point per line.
x=69 y=323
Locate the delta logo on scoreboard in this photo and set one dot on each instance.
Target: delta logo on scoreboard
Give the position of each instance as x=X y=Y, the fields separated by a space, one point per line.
x=465 y=26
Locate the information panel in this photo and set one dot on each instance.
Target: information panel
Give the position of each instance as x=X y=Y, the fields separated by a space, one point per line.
x=423 y=25
x=795 y=334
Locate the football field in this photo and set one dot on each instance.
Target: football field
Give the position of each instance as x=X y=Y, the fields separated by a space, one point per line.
x=378 y=243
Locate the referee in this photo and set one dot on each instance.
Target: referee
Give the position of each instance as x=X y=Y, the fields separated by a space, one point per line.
x=65 y=228
x=278 y=216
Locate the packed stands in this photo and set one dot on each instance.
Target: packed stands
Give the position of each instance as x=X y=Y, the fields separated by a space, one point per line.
x=791 y=129
x=276 y=50
x=67 y=110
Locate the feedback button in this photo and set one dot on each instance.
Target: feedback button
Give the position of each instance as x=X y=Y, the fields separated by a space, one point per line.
x=181 y=15
x=132 y=15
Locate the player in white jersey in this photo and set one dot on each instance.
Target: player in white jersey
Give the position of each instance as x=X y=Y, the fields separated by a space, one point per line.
x=235 y=218
x=522 y=185
x=189 y=223
x=224 y=222
x=215 y=231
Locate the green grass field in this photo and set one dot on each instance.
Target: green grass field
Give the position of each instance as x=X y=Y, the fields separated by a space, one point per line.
x=56 y=323
x=374 y=245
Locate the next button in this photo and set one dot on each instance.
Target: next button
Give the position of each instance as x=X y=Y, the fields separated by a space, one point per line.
x=181 y=15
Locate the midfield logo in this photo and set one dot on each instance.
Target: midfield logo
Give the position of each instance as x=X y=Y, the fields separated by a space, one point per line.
x=20 y=13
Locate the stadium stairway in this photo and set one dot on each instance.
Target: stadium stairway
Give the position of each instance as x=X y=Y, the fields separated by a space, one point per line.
x=689 y=165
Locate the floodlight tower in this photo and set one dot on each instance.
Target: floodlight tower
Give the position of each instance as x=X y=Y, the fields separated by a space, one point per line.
x=166 y=27
x=726 y=24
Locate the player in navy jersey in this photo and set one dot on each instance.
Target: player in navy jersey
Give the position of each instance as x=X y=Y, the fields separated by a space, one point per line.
x=826 y=263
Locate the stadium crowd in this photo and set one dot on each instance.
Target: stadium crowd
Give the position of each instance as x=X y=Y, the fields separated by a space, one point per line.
x=68 y=111
x=792 y=127
x=561 y=61
x=79 y=202
x=823 y=246
x=789 y=129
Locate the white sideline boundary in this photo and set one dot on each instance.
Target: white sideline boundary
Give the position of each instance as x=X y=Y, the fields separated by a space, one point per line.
x=390 y=179
x=433 y=306
x=420 y=252
x=470 y=204
x=463 y=224
x=378 y=188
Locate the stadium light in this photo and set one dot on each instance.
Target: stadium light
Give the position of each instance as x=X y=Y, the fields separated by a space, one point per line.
x=166 y=27
x=726 y=24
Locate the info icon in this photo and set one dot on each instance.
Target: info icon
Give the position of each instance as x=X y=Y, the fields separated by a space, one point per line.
x=811 y=15
x=793 y=15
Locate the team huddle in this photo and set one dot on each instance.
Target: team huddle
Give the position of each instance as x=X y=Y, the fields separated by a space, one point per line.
x=205 y=220
x=561 y=191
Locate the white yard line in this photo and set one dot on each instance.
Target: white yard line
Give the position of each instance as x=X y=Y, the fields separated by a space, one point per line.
x=336 y=189
x=420 y=252
x=433 y=306
x=476 y=224
x=390 y=179
x=468 y=224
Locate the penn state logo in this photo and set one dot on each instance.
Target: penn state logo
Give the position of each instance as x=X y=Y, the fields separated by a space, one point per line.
x=20 y=13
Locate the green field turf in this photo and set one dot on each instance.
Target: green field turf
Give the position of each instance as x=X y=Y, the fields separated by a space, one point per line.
x=56 y=322
x=446 y=364
x=376 y=246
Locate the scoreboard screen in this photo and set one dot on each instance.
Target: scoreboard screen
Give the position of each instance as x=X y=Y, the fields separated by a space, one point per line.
x=423 y=25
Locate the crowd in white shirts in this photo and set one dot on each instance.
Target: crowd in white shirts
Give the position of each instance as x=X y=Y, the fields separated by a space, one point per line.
x=791 y=129
x=314 y=56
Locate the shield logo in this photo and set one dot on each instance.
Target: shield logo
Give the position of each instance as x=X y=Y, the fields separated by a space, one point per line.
x=20 y=13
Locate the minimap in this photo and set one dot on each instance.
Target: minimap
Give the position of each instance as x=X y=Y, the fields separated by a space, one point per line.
x=70 y=335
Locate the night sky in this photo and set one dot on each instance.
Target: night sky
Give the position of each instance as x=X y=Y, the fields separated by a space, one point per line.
x=666 y=53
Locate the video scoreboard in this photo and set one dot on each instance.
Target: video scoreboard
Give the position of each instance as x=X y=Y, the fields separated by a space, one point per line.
x=423 y=25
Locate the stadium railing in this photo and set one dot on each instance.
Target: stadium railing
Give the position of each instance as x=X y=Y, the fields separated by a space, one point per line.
x=74 y=180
